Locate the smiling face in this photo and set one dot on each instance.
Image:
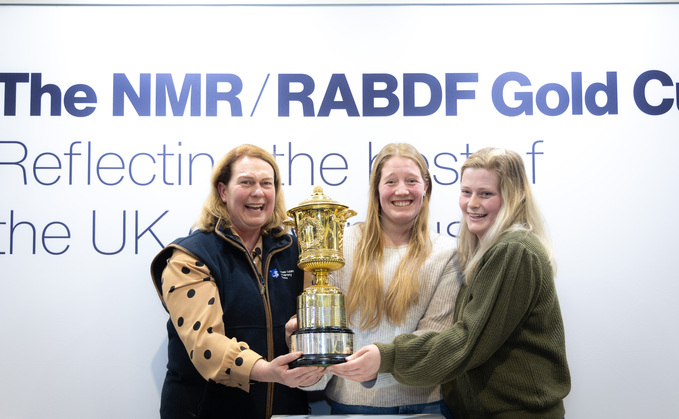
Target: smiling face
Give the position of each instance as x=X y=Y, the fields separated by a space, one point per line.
x=480 y=199
x=402 y=191
x=250 y=195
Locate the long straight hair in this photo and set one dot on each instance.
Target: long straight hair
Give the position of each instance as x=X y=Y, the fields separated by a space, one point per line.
x=366 y=289
x=518 y=211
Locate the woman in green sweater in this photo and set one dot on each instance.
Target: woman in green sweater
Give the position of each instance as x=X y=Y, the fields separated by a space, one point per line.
x=505 y=355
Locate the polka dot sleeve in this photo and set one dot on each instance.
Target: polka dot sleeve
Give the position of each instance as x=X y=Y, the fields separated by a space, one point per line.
x=192 y=298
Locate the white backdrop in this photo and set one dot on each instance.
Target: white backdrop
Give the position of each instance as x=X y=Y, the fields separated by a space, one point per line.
x=93 y=184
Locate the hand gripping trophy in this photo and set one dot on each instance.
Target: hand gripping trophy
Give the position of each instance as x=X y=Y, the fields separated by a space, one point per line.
x=322 y=336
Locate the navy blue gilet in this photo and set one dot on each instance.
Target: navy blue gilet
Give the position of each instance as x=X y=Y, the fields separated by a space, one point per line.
x=186 y=394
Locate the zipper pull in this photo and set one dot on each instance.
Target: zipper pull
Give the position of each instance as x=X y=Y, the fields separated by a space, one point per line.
x=262 y=287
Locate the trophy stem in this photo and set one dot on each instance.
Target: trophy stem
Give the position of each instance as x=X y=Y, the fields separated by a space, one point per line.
x=321 y=277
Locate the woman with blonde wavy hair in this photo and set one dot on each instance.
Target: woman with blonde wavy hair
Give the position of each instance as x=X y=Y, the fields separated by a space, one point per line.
x=505 y=355
x=399 y=276
x=229 y=287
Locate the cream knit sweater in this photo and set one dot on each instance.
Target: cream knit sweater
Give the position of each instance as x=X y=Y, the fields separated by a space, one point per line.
x=440 y=282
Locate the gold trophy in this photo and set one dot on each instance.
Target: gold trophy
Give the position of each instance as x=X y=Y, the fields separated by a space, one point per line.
x=323 y=336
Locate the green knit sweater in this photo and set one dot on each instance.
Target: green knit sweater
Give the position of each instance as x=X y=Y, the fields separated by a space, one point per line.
x=505 y=355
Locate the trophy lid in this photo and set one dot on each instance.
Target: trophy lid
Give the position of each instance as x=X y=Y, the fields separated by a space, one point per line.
x=317 y=200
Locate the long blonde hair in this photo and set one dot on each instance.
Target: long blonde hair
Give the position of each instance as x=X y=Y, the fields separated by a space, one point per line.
x=518 y=211
x=214 y=208
x=366 y=289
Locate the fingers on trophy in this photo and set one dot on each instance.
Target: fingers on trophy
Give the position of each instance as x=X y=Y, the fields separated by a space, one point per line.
x=323 y=336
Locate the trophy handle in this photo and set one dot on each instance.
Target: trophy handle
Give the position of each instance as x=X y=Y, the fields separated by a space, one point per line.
x=347 y=213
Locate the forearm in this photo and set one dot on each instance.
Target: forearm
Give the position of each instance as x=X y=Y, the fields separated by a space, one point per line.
x=426 y=360
x=196 y=312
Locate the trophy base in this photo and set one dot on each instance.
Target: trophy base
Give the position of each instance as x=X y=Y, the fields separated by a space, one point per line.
x=321 y=360
x=321 y=346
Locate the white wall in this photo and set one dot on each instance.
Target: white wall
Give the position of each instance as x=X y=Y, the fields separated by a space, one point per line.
x=83 y=330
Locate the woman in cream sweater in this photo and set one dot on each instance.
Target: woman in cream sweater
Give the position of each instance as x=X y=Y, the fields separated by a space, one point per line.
x=399 y=277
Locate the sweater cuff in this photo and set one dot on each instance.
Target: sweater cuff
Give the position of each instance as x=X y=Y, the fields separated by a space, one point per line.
x=240 y=374
x=387 y=352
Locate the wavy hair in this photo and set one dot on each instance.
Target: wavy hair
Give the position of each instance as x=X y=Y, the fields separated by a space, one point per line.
x=214 y=208
x=518 y=210
x=366 y=289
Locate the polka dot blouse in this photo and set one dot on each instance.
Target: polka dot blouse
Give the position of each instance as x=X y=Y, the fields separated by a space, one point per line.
x=192 y=298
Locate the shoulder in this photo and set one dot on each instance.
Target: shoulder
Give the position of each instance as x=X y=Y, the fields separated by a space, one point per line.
x=442 y=245
x=194 y=237
x=521 y=240
x=441 y=240
x=353 y=234
x=354 y=229
x=202 y=243
x=515 y=248
x=184 y=243
x=278 y=238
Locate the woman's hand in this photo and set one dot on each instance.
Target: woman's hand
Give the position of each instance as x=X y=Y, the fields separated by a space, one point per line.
x=277 y=371
x=361 y=366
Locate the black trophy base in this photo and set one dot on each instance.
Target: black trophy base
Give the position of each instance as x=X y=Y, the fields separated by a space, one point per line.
x=322 y=360
x=321 y=346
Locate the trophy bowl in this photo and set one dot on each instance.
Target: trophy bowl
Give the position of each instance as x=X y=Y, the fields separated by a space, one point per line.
x=323 y=336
